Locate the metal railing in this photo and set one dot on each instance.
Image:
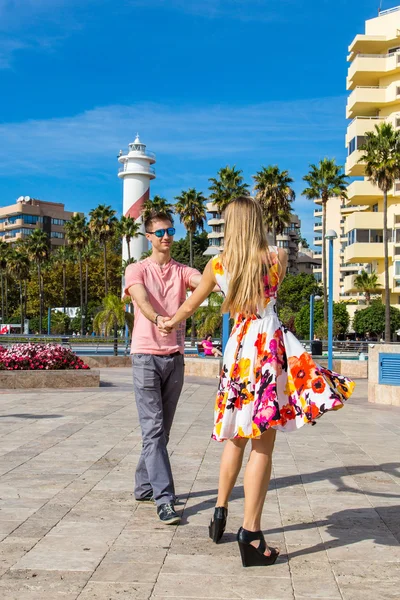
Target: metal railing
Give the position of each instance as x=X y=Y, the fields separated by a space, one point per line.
x=137 y=169
x=382 y=13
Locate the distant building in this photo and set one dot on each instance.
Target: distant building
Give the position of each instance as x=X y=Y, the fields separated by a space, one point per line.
x=17 y=221
x=306 y=263
x=289 y=239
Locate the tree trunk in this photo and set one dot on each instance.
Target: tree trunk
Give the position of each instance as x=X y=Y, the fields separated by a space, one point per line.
x=273 y=232
x=6 y=288
x=386 y=269
x=81 y=289
x=86 y=292
x=324 y=275
x=40 y=298
x=192 y=322
x=21 y=301
x=105 y=269
x=25 y=297
x=128 y=243
x=368 y=298
x=2 y=296
x=115 y=339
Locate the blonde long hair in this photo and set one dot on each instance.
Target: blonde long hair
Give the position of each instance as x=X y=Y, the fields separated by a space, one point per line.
x=246 y=256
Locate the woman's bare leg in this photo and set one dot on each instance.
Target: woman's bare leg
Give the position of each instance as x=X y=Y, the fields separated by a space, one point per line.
x=231 y=463
x=256 y=479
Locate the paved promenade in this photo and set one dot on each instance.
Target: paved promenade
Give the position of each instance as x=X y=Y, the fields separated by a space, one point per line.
x=70 y=527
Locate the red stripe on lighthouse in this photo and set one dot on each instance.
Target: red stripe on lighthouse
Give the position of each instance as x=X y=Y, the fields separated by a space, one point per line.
x=135 y=210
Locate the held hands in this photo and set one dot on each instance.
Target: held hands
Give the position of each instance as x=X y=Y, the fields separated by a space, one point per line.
x=165 y=325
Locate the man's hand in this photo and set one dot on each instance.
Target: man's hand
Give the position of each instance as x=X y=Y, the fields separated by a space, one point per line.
x=163 y=327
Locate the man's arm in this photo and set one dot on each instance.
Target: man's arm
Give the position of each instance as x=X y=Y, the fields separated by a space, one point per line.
x=139 y=294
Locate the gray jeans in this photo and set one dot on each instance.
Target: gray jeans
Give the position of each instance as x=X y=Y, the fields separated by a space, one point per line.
x=157 y=383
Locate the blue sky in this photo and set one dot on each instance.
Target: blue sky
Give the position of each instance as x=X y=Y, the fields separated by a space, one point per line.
x=206 y=83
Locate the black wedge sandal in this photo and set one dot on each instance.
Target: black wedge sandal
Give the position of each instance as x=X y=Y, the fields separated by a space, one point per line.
x=218 y=524
x=252 y=556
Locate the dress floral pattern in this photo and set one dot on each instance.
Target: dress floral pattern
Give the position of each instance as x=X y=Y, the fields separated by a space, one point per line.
x=268 y=379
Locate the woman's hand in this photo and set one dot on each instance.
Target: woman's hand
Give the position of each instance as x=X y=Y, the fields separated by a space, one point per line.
x=165 y=325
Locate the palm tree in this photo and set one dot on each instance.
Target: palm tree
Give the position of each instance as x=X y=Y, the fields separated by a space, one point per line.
x=128 y=228
x=381 y=155
x=192 y=213
x=62 y=257
x=157 y=205
x=210 y=316
x=38 y=251
x=103 y=226
x=78 y=236
x=368 y=284
x=90 y=251
x=19 y=265
x=325 y=181
x=228 y=186
x=111 y=317
x=275 y=194
x=4 y=252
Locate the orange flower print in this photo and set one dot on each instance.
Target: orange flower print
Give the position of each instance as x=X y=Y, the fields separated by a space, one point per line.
x=288 y=411
x=318 y=385
x=302 y=370
x=218 y=268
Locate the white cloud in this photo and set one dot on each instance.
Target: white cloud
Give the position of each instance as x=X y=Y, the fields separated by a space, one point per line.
x=89 y=140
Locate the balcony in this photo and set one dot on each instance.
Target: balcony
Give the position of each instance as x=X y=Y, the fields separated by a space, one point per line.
x=352 y=167
x=367 y=69
x=136 y=169
x=318 y=212
x=365 y=100
x=364 y=220
x=215 y=235
x=318 y=227
x=212 y=208
x=363 y=252
x=349 y=284
x=363 y=192
x=215 y=221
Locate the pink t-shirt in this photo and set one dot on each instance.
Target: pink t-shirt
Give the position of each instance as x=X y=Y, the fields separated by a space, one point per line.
x=166 y=288
x=208 y=346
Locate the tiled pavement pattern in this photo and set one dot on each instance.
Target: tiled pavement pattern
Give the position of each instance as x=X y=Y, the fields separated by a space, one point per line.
x=70 y=527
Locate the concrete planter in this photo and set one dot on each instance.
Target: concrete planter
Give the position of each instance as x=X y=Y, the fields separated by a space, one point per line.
x=197 y=367
x=79 y=378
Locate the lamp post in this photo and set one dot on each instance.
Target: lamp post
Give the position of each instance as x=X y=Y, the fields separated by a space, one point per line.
x=330 y=235
x=312 y=298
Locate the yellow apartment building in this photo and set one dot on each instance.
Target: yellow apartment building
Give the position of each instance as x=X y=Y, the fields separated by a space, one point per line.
x=374 y=97
x=17 y=221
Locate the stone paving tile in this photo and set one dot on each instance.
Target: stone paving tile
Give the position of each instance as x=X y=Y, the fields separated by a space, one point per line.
x=71 y=528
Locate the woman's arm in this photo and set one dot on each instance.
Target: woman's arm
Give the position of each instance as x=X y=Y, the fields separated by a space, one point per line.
x=203 y=290
x=283 y=261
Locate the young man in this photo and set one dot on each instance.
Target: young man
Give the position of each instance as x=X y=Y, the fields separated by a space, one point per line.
x=157 y=286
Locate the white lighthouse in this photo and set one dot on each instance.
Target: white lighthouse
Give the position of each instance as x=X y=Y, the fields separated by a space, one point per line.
x=136 y=173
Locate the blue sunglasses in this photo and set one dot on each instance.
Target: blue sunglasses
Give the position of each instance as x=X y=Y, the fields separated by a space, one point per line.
x=161 y=232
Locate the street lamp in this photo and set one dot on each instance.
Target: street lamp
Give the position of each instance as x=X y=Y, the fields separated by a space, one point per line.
x=330 y=235
x=312 y=298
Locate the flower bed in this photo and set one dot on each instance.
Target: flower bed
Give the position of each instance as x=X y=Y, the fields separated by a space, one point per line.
x=39 y=357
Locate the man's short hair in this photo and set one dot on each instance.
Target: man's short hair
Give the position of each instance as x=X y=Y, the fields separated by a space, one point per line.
x=157 y=216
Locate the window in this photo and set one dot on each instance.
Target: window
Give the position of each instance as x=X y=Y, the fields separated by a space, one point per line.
x=215 y=242
x=283 y=244
x=355 y=143
x=398 y=90
x=32 y=219
x=365 y=236
x=397 y=122
x=57 y=222
x=375 y=208
x=57 y=234
x=397 y=267
x=318 y=276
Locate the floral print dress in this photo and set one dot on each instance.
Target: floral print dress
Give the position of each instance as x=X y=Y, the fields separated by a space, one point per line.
x=268 y=379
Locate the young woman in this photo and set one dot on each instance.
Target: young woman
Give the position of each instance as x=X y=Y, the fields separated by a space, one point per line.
x=268 y=380
x=209 y=349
